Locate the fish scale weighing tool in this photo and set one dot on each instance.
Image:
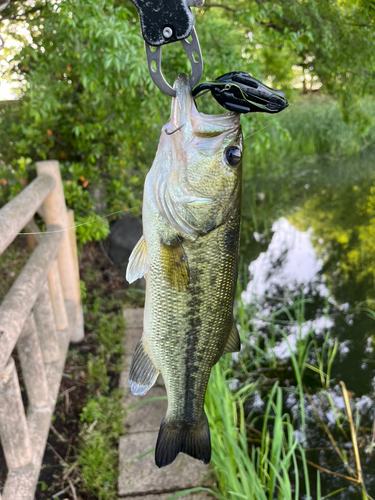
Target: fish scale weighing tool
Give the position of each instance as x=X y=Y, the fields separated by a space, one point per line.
x=188 y=253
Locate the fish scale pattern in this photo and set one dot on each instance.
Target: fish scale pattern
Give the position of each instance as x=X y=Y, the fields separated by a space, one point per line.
x=188 y=330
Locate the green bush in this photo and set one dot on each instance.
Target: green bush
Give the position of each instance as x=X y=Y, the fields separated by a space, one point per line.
x=98 y=454
x=103 y=414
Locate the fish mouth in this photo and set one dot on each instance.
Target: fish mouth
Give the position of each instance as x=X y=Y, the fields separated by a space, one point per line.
x=188 y=121
x=183 y=104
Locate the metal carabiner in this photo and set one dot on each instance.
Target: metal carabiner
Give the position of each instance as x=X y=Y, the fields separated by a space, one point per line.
x=194 y=54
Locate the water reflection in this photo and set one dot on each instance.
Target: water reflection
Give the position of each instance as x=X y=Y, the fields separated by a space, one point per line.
x=291 y=268
x=320 y=252
x=290 y=262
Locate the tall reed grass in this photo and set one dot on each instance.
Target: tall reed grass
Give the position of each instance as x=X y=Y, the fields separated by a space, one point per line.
x=261 y=456
x=261 y=472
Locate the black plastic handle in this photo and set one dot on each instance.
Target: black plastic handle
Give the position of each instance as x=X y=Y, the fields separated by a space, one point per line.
x=164 y=21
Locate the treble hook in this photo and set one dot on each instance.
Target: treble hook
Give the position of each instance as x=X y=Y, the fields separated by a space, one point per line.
x=175 y=130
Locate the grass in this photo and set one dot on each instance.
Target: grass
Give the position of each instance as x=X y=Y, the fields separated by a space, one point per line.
x=258 y=455
x=97 y=453
x=261 y=472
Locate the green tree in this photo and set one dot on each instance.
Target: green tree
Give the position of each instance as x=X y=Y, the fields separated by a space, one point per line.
x=89 y=101
x=85 y=102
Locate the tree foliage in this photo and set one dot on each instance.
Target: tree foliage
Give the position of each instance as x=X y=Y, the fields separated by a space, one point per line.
x=89 y=102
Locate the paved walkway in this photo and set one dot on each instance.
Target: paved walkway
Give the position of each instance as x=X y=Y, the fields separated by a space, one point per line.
x=139 y=477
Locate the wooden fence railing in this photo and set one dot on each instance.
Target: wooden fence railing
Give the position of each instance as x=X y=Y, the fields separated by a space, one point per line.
x=40 y=315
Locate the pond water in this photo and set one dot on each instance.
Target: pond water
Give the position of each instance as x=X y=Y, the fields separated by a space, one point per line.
x=308 y=247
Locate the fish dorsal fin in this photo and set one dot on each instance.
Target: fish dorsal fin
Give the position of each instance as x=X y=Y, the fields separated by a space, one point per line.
x=175 y=266
x=234 y=342
x=138 y=265
x=143 y=373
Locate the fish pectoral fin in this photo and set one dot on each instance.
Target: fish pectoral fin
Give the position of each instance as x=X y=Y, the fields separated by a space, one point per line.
x=233 y=343
x=143 y=373
x=138 y=265
x=175 y=266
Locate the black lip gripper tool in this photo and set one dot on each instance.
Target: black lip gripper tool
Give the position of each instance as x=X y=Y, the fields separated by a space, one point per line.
x=168 y=21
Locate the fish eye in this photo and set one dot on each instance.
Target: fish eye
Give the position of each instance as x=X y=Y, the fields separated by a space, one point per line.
x=233 y=155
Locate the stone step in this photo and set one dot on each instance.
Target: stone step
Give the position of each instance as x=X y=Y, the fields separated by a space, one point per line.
x=139 y=476
x=134 y=317
x=148 y=413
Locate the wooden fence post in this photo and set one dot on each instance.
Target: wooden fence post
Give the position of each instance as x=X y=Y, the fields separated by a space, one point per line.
x=73 y=244
x=32 y=365
x=55 y=212
x=15 y=438
x=56 y=295
x=46 y=326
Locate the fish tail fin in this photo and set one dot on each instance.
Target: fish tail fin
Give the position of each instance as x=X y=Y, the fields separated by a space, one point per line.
x=192 y=440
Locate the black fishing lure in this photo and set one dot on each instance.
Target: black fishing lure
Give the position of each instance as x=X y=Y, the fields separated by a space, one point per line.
x=240 y=92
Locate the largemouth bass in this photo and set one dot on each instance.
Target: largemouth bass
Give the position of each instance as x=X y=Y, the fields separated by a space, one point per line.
x=188 y=255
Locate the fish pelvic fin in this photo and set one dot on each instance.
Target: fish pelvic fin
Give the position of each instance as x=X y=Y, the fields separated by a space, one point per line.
x=174 y=438
x=233 y=343
x=138 y=265
x=143 y=373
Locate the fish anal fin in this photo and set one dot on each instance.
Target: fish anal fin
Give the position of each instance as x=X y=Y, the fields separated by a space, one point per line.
x=175 y=265
x=233 y=343
x=137 y=266
x=143 y=373
x=174 y=438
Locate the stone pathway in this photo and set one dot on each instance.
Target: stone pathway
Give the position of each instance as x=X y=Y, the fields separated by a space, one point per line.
x=139 y=477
